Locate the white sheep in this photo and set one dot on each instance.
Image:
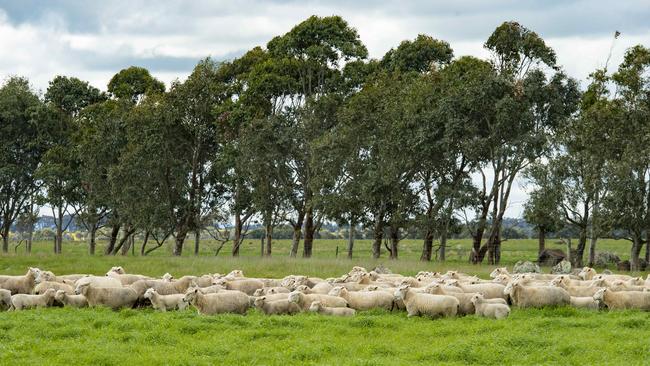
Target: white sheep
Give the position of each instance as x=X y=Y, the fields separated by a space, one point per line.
x=207 y=304
x=45 y=285
x=489 y=310
x=98 y=281
x=489 y=290
x=365 y=300
x=616 y=300
x=24 y=301
x=525 y=296
x=426 y=304
x=317 y=307
x=586 y=302
x=21 y=284
x=276 y=307
x=76 y=301
x=245 y=285
x=113 y=297
x=304 y=300
x=165 y=302
x=5 y=299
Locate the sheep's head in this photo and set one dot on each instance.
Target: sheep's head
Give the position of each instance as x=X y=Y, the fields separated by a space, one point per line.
x=117 y=269
x=258 y=292
x=476 y=298
x=452 y=283
x=259 y=302
x=81 y=288
x=636 y=281
x=43 y=276
x=600 y=294
x=372 y=288
x=502 y=279
x=474 y=280
x=557 y=282
x=373 y=275
x=433 y=288
x=302 y=288
x=617 y=285
x=509 y=288
x=167 y=277
x=191 y=295
x=295 y=296
x=587 y=273
x=315 y=306
x=452 y=274
x=236 y=273
x=498 y=271
x=33 y=271
x=149 y=293
x=336 y=291
x=59 y=295
x=220 y=282
x=401 y=292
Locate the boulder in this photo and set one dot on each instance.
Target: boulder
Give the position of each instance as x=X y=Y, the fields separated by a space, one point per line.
x=605 y=259
x=526 y=267
x=382 y=270
x=623 y=265
x=563 y=267
x=550 y=257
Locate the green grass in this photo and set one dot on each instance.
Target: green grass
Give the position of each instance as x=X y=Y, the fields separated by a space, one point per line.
x=63 y=336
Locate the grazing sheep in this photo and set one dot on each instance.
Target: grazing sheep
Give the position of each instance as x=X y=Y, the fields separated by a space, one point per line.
x=489 y=290
x=165 y=302
x=76 y=301
x=5 y=299
x=304 y=300
x=44 y=286
x=97 y=281
x=426 y=304
x=21 y=284
x=525 y=296
x=24 y=301
x=207 y=304
x=365 y=300
x=617 y=300
x=586 y=302
x=489 y=310
x=246 y=285
x=112 y=297
x=276 y=307
x=317 y=307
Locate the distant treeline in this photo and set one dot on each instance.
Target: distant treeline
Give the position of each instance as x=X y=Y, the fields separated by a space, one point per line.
x=308 y=131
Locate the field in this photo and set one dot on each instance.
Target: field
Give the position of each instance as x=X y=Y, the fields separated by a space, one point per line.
x=58 y=336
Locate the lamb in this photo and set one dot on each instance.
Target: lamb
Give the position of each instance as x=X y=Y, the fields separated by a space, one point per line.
x=24 y=301
x=76 y=301
x=247 y=285
x=207 y=304
x=165 y=302
x=97 y=281
x=586 y=302
x=466 y=306
x=489 y=290
x=317 y=307
x=623 y=299
x=426 y=304
x=524 y=296
x=365 y=300
x=21 y=284
x=277 y=307
x=5 y=299
x=489 y=310
x=44 y=286
x=304 y=301
x=114 y=298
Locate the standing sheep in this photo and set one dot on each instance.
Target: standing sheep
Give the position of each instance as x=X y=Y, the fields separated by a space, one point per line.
x=21 y=284
x=5 y=299
x=623 y=299
x=277 y=307
x=304 y=300
x=426 y=304
x=365 y=300
x=586 y=302
x=24 y=301
x=76 y=301
x=317 y=307
x=112 y=297
x=489 y=310
x=524 y=296
x=208 y=304
x=44 y=286
x=165 y=302
x=246 y=285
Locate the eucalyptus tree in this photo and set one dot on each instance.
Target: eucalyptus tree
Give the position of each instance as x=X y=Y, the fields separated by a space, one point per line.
x=21 y=150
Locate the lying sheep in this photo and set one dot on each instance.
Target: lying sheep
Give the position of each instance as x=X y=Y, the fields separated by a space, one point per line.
x=304 y=301
x=276 y=307
x=586 y=302
x=317 y=307
x=524 y=296
x=112 y=297
x=207 y=304
x=617 y=300
x=44 y=286
x=75 y=301
x=165 y=302
x=24 y=301
x=489 y=310
x=426 y=304
x=365 y=300
x=21 y=284
x=247 y=285
x=5 y=299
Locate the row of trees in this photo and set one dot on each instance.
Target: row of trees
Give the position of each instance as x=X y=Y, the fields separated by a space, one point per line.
x=309 y=130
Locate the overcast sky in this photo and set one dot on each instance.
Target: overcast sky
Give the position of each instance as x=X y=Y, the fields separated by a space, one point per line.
x=93 y=40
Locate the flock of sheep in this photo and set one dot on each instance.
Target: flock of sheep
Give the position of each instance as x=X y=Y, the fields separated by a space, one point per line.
x=428 y=293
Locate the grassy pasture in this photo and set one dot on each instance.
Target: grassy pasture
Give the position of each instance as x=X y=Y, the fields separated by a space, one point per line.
x=63 y=336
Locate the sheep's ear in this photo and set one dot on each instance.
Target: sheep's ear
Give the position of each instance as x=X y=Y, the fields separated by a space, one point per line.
x=263 y=297
x=196 y=290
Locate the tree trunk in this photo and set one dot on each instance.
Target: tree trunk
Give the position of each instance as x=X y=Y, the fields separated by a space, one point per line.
x=647 y=247
x=197 y=241
x=592 y=250
x=58 y=241
x=378 y=235
x=144 y=243
x=309 y=233
x=93 y=243
x=443 y=244
x=542 y=240
x=582 y=243
x=427 y=246
x=178 y=243
x=269 y=238
x=351 y=233
x=394 y=241
x=115 y=231
x=637 y=244
x=297 y=234
x=238 y=232
x=125 y=237
x=127 y=244
x=30 y=237
x=5 y=241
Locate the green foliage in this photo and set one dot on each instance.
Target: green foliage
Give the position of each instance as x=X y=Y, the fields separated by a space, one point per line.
x=134 y=82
